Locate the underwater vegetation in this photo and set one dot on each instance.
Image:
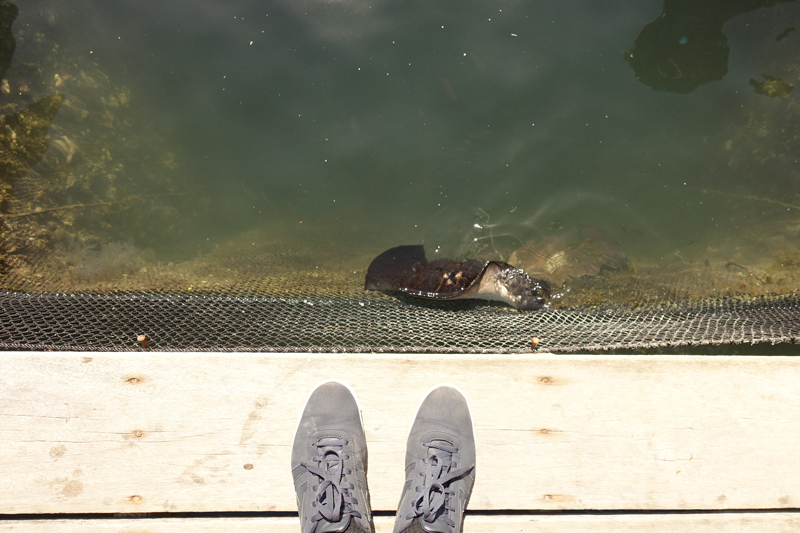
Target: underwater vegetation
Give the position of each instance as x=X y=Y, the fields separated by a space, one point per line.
x=79 y=156
x=99 y=261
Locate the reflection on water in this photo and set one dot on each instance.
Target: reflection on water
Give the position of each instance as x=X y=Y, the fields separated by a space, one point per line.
x=148 y=146
x=685 y=47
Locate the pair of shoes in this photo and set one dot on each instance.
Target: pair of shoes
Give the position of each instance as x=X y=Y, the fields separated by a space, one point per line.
x=329 y=464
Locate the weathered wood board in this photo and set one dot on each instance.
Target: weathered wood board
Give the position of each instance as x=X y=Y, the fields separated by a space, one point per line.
x=138 y=432
x=653 y=523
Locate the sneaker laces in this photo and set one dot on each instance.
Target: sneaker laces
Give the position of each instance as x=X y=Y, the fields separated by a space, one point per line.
x=332 y=498
x=434 y=500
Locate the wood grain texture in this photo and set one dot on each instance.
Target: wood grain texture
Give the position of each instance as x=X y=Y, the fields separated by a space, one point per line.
x=655 y=523
x=139 y=432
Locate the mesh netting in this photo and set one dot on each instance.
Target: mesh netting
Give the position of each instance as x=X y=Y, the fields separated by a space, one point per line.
x=379 y=324
x=299 y=291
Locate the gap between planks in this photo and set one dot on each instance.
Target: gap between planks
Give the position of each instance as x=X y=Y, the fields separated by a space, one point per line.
x=651 y=523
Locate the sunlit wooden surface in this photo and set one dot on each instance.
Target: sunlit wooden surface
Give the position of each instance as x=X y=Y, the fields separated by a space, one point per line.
x=183 y=433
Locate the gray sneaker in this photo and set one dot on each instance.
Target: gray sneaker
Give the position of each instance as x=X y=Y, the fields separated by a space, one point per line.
x=440 y=465
x=329 y=464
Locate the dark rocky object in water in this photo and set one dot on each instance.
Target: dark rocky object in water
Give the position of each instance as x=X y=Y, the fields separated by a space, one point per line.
x=784 y=34
x=772 y=87
x=405 y=269
x=684 y=47
x=8 y=12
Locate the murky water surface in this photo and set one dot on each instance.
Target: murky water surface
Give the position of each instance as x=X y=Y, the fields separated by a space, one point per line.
x=625 y=150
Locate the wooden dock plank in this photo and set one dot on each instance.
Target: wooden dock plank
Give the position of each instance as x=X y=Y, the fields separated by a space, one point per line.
x=138 y=432
x=653 y=523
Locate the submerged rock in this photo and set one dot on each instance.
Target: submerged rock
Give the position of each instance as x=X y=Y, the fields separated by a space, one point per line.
x=772 y=87
x=556 y=261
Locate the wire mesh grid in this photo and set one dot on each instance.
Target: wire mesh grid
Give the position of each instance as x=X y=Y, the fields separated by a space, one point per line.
x=183 y=322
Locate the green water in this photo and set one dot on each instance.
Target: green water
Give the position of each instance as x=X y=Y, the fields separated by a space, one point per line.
x=374 y=124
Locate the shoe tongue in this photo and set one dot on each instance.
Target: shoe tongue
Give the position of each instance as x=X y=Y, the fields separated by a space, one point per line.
x=333 y=527
x=437 y=526
x=441 y=454
x=328 y=441
x=332 y=444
